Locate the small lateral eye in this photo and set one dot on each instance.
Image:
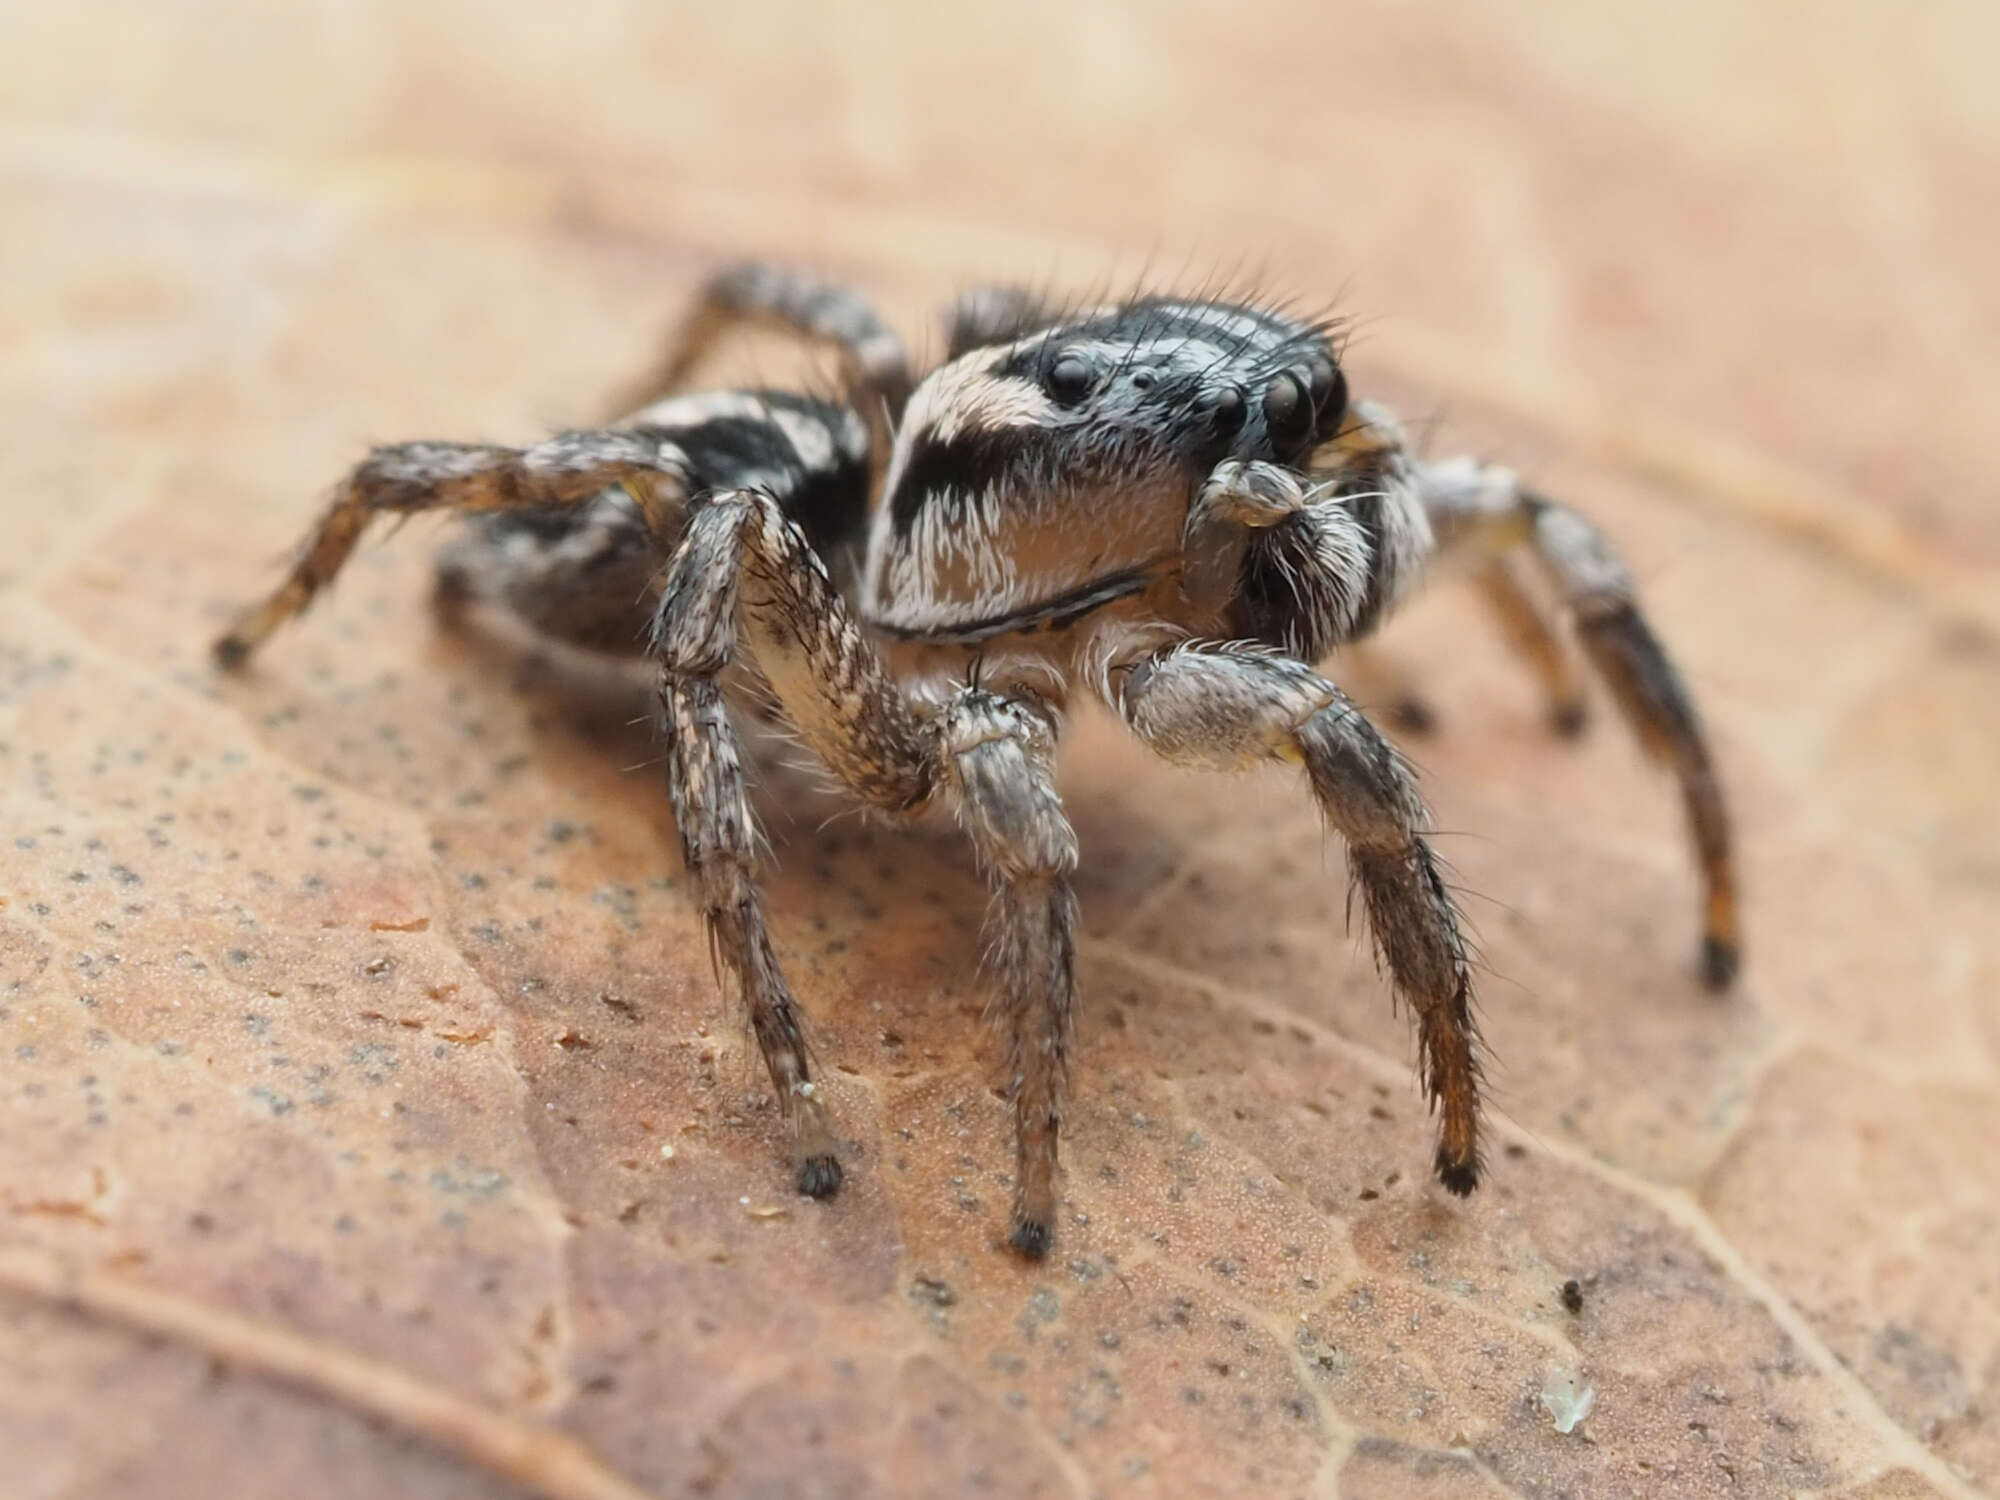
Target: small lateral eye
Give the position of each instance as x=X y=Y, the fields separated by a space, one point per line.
x=1329 y=392
x=1288 y=413
x=1334 y=407
x=1069 y=380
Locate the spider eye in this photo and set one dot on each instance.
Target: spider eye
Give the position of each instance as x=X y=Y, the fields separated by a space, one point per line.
x=1288 y=413
x=1226 y=414
x=1069 y=380
x=1329 y=389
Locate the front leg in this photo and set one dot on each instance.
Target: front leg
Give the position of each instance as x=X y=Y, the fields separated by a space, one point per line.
x=837 y=694
x=996 y=758
x=745 y=569
x=1226 y=707
x=719 y=844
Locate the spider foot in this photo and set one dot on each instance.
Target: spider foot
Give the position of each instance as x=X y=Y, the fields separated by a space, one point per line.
x=1720 y=960
x=1569 y=717
x=1032 y=1238
x=230 y=651
x=820 y=1176
x=1459 y=1177
x=1414 y=715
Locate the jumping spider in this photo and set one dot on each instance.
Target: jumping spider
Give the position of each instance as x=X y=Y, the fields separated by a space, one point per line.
x=1169 y=501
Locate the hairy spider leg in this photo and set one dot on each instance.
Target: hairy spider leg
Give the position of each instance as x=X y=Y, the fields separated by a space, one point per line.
x=873 y=356
x=1224 y=706
x=567 y=470
x=1483 y=508
x=745 y=568
x=1326 y=575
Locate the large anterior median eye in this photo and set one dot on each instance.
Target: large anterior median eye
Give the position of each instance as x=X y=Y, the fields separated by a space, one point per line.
x=1069 y=380
x=1288 y=413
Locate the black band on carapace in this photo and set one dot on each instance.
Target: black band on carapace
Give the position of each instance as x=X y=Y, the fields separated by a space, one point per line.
x=1052 y=614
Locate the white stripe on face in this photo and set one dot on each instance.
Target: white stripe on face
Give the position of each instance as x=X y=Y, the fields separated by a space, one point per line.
x=966 y=396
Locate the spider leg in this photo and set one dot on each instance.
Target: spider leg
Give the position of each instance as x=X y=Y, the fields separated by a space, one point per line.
x=743 y=567
x=873 y=356
x=1529 y=631
x=1527 y=628
x=1483 y=508
x=718 y=841
x=567 y=470
x=1224 y=707
x=1375 y=514
x=589 y=575
x=996 y=758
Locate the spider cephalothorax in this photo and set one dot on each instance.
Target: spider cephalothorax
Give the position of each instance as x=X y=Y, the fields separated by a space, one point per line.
x=1170 y=502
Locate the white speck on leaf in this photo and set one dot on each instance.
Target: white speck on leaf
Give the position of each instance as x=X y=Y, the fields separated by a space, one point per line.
x=1567 y=1400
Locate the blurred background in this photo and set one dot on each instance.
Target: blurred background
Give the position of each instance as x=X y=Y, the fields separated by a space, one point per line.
x=1770 y=220
x=332 y=1166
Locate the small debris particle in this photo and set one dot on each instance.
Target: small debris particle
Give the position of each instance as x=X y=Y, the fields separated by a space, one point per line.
x=1567 y=1400
x=667 y=1151
x=415 y=924
x=770 y=1211
x=1573 y=1296
x=929 y=1289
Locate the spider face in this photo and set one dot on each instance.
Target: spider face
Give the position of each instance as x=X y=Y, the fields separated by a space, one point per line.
x=1037 y=479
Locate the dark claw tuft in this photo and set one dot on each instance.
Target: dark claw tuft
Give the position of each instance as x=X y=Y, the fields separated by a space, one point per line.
x=1459 y=1178
x=1569 y=719
x=1719 y=962
x=1032 y=1238
x=1414 y=716
x=230 y=651
x=819 y=1176
x=451 y=589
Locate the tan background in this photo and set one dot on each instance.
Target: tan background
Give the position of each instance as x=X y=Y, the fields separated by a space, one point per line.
x=345 y=1010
